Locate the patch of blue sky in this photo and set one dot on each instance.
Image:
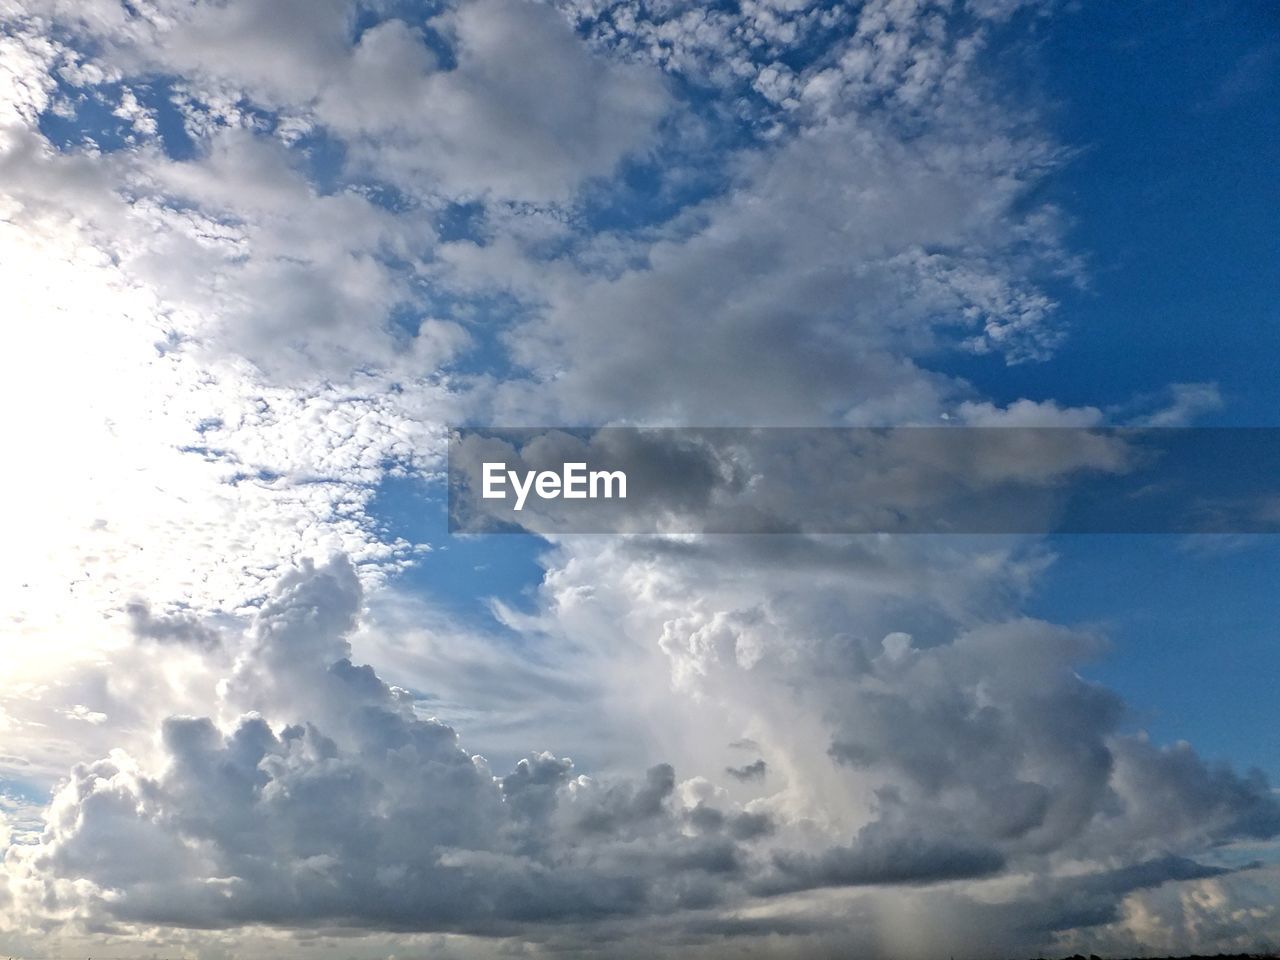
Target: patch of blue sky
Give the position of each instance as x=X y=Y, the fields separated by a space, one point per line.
x=160 y=97
x=647 y=191
x=1203 y=607
x=323 y=159
x=1173 y=201
x=90 y=119
x=460 y=574
x=486 y=318
x=461 y=220
x=19 y=793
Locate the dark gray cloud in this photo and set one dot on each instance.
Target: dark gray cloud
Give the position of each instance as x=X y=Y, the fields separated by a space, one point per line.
x=875 y=858
x=180 y=628
x=755 y=770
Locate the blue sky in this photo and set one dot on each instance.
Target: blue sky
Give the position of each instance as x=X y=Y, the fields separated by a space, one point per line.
x=1172 y=200
x=1175 y=608
x=259 y=256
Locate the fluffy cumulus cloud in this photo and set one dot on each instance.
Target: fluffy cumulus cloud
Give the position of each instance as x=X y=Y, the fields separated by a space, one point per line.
x=257 y=255
x=328 y=799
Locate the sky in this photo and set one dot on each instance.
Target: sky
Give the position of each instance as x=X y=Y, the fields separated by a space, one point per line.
x=257 y=257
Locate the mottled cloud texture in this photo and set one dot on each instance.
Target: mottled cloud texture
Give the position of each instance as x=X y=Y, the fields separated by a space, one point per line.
x=258 y=256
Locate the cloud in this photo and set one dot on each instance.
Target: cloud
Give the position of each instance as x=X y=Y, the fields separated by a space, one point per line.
x=876 y=859
x=715 y=313
x=755 y=770
x=175 y=628
x=335 y=803
x=526 y=113
x=946 y=752
x=315 y=794
x=517 y=107
x=1185 y=403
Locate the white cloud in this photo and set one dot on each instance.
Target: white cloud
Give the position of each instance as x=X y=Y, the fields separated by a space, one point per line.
x=524 y=111
x=527 y=112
